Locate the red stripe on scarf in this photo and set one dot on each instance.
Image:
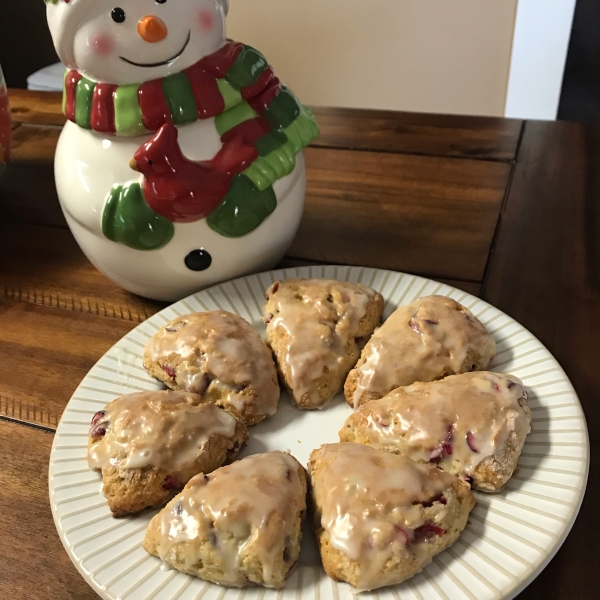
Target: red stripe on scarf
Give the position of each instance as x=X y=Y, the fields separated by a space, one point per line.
x=249 y=131
x=222 y=60
x=263 y=82
x=260 y=102
x=71 y=82
x=208 y=98
x=102 y=118
x=155 y=110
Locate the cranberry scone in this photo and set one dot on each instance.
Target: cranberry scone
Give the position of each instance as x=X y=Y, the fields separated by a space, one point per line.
x=241 y=525
x=379 y=517
x=472 y=425
x=429 y=339
x=148 y=445
x=220 y=356
x=316 y=328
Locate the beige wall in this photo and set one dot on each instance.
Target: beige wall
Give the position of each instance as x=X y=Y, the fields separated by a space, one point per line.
x=449 y=56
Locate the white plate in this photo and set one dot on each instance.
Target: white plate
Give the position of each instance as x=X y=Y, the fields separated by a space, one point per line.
x=510 y=537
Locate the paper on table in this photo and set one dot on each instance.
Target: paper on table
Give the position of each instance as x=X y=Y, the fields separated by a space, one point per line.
x=48 y=79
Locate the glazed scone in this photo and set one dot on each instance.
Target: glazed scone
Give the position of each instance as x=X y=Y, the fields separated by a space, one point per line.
x=472 y=425
x=380 y=518
x=239 y=526
x=429 y=339
x=316 y=328
x=220 y=356
x=148 y=445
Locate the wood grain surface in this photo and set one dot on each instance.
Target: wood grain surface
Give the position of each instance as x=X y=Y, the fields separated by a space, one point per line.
x=545 y=273
x=34 y=145
x=44 y=266
x=413 y=133
x=36 y=107
x=470 y=200
x=34 y=564
x=46 y=352
x=427 y=215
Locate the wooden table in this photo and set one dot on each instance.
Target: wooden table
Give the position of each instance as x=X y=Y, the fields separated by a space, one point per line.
x=507 y=210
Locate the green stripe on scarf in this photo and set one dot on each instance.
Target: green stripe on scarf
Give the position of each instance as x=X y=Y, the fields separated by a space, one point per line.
x=234 y=116
x=293 y=125
x=283 y=110
x=180 y=99
x=270 y=142
x=247 y=68
x=303 y=130
x=128 y=114
x=265 y=170
x=83 y=102
x=231 y=96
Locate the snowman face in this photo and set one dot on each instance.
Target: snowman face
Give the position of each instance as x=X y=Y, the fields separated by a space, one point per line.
x=133 y=41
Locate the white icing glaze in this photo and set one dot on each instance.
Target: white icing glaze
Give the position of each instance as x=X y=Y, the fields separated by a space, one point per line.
x=470 y=414
x=371 y=504
x=317 y=318
x=163 y=429
x=250 y=506
x=219 y=351
x=422 y=341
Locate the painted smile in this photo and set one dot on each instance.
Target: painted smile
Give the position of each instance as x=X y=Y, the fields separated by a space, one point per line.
x=164 y=62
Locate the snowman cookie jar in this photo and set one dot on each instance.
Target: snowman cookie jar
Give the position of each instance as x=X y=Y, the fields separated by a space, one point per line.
x=181 y=163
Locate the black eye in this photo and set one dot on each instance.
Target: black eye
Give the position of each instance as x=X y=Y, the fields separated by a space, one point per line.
x=198 y=260
x=160 y=1
x=118 y=15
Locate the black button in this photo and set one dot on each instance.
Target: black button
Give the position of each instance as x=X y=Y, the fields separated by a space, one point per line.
x=118 y=15
x=198 y=260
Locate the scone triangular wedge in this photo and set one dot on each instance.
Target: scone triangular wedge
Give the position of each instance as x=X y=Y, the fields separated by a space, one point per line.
x=472 y=425
x=379 y=517
x=220 y=356
x=316 y=328
x=239 y=526
x=429 y=339
x=149 y=444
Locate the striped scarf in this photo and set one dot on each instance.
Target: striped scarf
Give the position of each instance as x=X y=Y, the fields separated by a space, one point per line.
x=235 y=85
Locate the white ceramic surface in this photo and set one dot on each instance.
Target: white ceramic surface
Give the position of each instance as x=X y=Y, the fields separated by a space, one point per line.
x=510 y=536
x=89 y=164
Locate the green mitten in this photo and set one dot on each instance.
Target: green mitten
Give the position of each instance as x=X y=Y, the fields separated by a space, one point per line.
x=244 y=208
x=129 y=220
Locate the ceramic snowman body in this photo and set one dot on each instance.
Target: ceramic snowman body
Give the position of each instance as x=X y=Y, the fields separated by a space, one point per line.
x=181 y=164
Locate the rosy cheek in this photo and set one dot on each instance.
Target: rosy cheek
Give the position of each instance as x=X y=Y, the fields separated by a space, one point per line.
x=206 y=20
x=102 y=44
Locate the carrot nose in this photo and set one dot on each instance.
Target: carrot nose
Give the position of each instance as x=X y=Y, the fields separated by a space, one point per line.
x=152 y=29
